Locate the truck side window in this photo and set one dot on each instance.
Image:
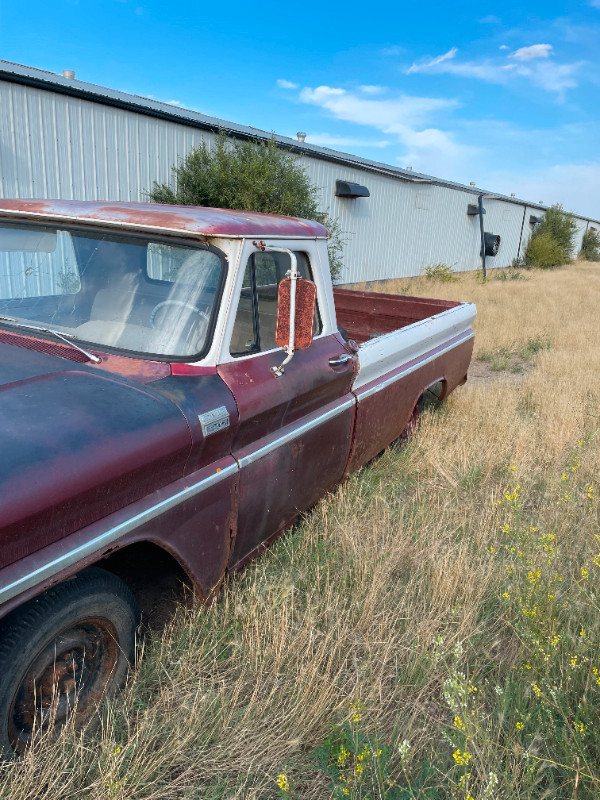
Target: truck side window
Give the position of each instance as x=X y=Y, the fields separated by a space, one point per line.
x=254 y=328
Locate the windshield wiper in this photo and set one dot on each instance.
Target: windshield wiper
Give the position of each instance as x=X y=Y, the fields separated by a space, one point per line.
x=64 y=336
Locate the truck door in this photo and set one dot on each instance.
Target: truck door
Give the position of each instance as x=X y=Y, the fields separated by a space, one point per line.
x=293 y=438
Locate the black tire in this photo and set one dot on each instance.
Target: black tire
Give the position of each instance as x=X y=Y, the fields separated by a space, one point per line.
x=414 y=423
x=72 y=644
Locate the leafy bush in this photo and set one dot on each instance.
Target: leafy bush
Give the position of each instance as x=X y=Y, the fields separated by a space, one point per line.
x=250 y=176
x=552 y=242
x=440 y=272
x=544 y=251
x=590 y=246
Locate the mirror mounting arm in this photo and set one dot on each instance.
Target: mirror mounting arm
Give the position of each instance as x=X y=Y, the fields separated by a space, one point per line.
x=292 y=274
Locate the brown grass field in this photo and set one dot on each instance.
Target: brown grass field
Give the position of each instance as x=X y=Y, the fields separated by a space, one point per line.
x=431 y=630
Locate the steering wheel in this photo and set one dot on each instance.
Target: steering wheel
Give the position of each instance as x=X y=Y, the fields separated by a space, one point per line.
x=179 y=303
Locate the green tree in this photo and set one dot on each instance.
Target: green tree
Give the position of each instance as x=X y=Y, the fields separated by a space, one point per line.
x=553 y=240
x=590 y=246
x=254 y=175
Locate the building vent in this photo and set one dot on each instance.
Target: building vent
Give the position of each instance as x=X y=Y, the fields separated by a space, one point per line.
x=347 y=189
x=473 y=210
x=535 y=220
x=69 y=74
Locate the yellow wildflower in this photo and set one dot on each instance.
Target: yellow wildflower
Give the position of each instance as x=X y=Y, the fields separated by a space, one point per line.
x=462 y=759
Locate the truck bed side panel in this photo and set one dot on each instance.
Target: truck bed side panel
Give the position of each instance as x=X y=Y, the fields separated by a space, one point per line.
x=395 y=369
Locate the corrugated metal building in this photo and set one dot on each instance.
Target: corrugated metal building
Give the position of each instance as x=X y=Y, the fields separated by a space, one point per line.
x=62 y=138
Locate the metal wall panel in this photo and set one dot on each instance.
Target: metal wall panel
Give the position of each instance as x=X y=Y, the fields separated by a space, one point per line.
x=56 y=146
x=582 y=226
x=59 y=146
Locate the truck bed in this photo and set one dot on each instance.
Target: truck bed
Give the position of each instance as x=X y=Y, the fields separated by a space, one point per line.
x=366 y=315
x=398 y=334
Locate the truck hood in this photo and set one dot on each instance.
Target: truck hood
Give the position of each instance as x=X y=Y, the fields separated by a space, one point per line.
x=76 y=444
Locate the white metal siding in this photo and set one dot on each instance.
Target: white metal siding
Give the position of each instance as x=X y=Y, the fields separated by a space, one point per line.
x=55 y=146
x=58 y=146
x=582 y=226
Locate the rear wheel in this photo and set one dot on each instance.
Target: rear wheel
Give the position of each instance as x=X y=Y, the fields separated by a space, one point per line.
x=63 y=653
x=412 y=426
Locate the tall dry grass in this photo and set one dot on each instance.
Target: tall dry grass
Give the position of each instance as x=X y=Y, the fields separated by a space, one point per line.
x=403 y=595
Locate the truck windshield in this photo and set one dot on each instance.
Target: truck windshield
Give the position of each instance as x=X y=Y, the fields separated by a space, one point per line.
x=115 y=291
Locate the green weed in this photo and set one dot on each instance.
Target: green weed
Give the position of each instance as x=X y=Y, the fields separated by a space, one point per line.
x=534 y=345
x=440 y=272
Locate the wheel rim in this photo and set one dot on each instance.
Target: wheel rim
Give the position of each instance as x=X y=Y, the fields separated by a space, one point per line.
x=73 y=670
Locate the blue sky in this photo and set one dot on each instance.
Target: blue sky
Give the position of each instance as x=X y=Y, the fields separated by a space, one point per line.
x=500 y=94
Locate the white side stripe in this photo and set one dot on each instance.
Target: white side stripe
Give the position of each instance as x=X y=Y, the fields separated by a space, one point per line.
x=403 y=373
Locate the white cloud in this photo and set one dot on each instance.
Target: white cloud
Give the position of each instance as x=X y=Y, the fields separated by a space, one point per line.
x=391 y=115
x=533 y=51
x=331 y=140
x=425 y=66
x=491 y=19
x=372 y=89
x=404 y=117
x=575 y=186
x=504 y=47
x=394 y=50
x=283 y=84
x=546 y=74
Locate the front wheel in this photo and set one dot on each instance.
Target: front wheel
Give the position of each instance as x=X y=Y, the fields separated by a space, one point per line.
x=62 y=653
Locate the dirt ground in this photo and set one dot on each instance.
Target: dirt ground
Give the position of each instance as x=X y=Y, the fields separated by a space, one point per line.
x=481 y=374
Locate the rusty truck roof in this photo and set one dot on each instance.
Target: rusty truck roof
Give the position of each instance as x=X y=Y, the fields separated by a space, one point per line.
x=181 y=220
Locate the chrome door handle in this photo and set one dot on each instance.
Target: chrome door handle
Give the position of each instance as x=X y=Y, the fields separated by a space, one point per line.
x=339 y=361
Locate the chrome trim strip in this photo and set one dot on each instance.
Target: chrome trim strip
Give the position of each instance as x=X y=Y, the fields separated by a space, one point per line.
x=295 y=432
x=389 y=381
x=98 y=542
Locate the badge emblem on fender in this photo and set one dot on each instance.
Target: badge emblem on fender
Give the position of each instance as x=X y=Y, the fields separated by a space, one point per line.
x=213 y=421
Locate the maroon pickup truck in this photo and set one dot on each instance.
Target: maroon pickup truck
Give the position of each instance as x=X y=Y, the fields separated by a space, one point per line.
x=176 y=381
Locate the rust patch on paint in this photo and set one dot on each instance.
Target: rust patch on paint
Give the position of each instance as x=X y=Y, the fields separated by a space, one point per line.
x=183 y=220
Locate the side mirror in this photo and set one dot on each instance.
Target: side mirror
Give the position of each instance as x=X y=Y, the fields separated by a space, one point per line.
x=306 y=297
